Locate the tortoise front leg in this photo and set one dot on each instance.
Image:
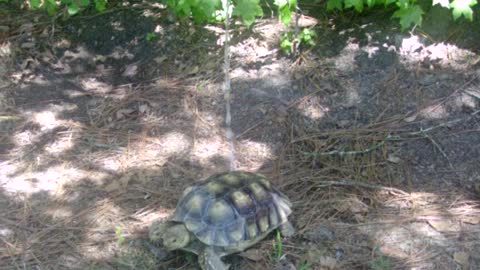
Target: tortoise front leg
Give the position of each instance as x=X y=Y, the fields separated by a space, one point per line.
x=210 y=260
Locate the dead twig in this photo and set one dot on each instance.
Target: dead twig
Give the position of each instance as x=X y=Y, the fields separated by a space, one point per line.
x=360 y=184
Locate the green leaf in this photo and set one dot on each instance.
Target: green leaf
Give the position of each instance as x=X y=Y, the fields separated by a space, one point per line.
x=409 y=16
x=334 y=4
x=285 y=15
x=100 y=5
x=443 y=3
x=35 y=3
x=203 y=10
x=358 y=4
x=286 y=44
x=388 y=2
x=463 y=8
x=50 y=6
x=84 y=3
x=285 y=9
x=73 y=9
x=402 y=4
x=183 y=7
x=248 y=10
x=370 y=3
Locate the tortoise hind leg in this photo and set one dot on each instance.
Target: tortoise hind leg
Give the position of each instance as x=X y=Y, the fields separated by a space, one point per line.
x=287 y=229
x=210 y=260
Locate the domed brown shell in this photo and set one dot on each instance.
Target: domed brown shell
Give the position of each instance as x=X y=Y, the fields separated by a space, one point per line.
x=231 y=209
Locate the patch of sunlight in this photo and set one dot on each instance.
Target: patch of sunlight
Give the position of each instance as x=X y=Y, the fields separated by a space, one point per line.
x=61 y=144
x=51 y=180
x=410 y=45
x=58 y=212
x=346 y=59
x=147 y=151
x=313 y=109
x=46 y=119
x=371 y=50
x=173 y=143
x=254 y=154
x=210 y=147
x=95 y=86
x=413 y=50
x=434 y=112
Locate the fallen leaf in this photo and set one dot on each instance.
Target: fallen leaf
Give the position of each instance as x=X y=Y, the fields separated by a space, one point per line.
x=160 y=59
x=461 y=258
x=444 y=225
x=328 y=262
x=315 y=255
x=144 y=108
x=252 y=254
x=123 y=113
x=411 y=118
x=471 y=220
x=193 y=70
x=394 y=159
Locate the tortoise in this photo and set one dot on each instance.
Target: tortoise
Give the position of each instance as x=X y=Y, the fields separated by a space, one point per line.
x=227 y=213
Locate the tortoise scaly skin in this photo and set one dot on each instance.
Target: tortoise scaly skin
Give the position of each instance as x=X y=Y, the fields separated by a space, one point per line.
x=225 y=214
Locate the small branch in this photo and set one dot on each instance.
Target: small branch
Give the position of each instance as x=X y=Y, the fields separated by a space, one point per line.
x=343 y=153
x=345 y=182
x=435 y=144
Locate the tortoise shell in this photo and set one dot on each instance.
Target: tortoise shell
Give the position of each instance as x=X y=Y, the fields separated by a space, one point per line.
x=232 y=208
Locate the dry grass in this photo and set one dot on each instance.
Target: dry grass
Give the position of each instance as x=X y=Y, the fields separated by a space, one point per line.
x=347 y=181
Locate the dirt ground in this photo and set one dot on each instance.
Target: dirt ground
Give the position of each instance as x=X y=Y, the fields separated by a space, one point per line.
x=374 y=134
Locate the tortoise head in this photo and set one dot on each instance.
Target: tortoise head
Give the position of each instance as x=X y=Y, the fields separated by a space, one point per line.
x=176 y=237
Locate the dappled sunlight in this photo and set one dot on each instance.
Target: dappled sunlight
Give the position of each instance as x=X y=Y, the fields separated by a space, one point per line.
x=253 y=155
x=434 y=112
x=205 y=149
x=314 y=109
x=416 y=49
x=46 y=120
x=52 y=180
x=93 y=85
x=346 y=59
x=173 y=143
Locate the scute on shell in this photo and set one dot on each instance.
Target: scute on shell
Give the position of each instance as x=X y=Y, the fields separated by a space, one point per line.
x=231 y=208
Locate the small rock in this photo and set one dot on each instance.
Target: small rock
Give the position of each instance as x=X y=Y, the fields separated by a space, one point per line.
x=343 y=123
x=253 y=255
x=427 y=79
x=27 y=45
x=394 y=159
x=123 y=113
x=160 y=59
x=130 y=70
x=461 y=258
x=284 y=264
x=320 y=234
x=410 y=119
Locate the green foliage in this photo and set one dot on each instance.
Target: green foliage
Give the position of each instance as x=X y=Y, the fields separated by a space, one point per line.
x=408 y=12
x=248 y=10
x=277 y=246
x=463 y=8
x=304 y=265
x=305 y=37
x=285 y=9
x=73 y=6
x=410 y=15
x=120 y=238
x=151 y=36
x=381 y=263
